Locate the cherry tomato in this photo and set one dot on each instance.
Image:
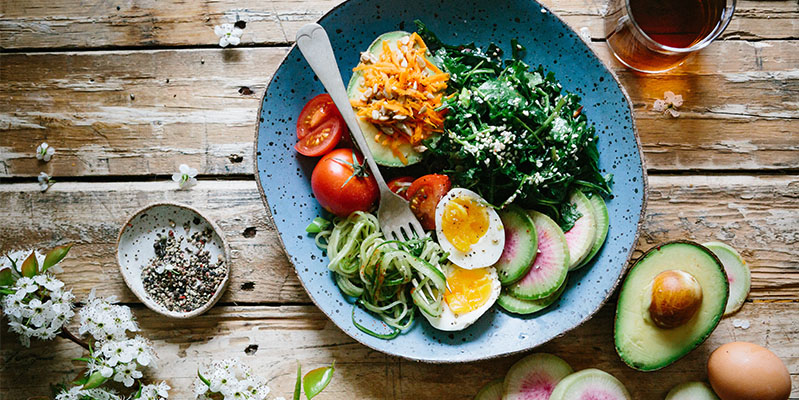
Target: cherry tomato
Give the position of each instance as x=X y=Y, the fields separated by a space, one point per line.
x=321 y=140
x=319 y=109
x=400 y=185
x=424 y=195
x=342 y=186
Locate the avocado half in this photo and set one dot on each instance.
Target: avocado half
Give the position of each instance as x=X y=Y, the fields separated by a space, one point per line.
x=382 y=154
x=640 y=342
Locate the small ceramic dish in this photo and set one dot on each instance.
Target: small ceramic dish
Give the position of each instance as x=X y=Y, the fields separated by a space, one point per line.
x=135 y=249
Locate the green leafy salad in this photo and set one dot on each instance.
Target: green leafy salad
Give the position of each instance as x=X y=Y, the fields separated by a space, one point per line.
x=512 y=134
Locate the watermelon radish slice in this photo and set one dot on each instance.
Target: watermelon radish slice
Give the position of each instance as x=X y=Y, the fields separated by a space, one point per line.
x=602 y=225
x=692 y=391
x=491 y=391
x=580 y=237
x=550 y=265
x=521 y=245
x=534 y=377
x=519 y=306
x=590 y=384
x=738 y=275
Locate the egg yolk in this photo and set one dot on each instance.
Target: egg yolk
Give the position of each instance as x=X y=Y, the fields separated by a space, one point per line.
x=467 y=289
x=464 y=222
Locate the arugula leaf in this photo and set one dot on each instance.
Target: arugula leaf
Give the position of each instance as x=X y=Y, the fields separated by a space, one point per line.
x=568 y=216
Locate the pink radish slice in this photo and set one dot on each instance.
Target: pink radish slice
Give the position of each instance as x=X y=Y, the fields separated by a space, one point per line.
x=551 y=264
x=535 y=377
x=581 y=236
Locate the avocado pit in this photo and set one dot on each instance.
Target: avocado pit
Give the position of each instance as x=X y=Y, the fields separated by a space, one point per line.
x=676 y=297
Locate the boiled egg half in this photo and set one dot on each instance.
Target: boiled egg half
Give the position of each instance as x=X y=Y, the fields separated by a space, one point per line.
x=469 y=230
x=469 y=294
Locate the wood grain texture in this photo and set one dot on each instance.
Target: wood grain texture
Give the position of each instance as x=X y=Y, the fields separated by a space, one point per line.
x=144 y=112
x=289 y=333
x=756 y=215
x=100 y=24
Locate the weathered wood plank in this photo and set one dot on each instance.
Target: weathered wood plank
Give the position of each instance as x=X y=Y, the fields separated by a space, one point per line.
x=145 y=112
x=289 y=333
x=98 y=24
x=757 y=215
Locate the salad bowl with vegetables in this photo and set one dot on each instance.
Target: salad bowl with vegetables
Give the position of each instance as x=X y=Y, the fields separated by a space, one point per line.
x=514 y=146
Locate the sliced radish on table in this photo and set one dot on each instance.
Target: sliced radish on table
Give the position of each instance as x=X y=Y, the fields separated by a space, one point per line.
x=590 y=384
x=738 y=275
x=491 y=391
x=535 y=377
x=692 y=391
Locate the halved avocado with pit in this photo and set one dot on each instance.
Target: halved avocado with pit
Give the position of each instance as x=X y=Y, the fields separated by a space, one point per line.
x=382 y=154
x=672 y=299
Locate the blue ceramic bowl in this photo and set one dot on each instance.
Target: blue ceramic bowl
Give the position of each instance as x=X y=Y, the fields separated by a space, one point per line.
x=284 y=176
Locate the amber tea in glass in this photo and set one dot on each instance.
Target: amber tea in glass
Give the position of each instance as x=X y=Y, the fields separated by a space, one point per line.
x=658 y=35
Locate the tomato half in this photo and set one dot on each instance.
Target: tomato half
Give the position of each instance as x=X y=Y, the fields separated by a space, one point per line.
x=342 y=186
x=424 y=195
x=400 y=185
x=317 y=110
x=321 y=140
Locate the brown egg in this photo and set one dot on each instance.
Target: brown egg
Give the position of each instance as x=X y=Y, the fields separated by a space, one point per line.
x=746 y=371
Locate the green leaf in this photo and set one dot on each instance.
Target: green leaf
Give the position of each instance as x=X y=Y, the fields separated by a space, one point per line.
x=7 y=291
x=568 y=216
x=6 y=277
x=317 y=225
x=96 y=379
x=138 y=393
x=55 y=255
x=203 y=379
x=317 y=380
x=81 y=381
x=30 y=267
x=298 y=384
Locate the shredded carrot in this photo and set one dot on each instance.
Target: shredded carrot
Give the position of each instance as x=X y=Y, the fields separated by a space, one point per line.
x=401 y=91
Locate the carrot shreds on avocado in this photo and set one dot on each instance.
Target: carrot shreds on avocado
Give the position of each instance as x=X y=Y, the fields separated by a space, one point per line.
x=401 y=91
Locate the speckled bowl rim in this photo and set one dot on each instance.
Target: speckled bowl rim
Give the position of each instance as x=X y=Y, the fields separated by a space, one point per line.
x=149 y=303
x=622 y=273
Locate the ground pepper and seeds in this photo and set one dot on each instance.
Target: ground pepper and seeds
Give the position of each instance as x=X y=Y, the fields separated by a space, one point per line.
x=183 y=278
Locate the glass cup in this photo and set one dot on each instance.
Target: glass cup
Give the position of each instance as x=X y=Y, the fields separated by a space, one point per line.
x=658 y=35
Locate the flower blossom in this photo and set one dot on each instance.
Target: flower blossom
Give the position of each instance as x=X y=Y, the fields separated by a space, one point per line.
x=44 y=152
x=668 y=104
x=78 y=393
x=228 y=34
x=45 y=181
x=186 y=177
x=231 y=379
x=121 y=359
x=104 y=320
x=38 y=308
x=155 y=392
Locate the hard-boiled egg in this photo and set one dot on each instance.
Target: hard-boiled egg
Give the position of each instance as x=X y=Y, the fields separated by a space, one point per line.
x=469 y=230
x=470 y=293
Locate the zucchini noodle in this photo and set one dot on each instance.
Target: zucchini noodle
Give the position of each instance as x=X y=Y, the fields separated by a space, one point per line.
x=387 y=277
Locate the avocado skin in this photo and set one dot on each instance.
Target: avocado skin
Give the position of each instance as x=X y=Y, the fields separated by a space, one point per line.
x=688 y=347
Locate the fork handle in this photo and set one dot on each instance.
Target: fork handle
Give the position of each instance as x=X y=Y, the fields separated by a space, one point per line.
x=314 y=44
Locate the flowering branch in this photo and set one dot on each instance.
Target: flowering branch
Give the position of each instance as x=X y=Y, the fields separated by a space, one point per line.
x=66 y=334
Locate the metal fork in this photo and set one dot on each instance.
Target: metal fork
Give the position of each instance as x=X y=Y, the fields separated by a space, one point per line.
x=396 y=219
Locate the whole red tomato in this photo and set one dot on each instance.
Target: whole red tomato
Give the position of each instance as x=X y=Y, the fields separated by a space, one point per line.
x=343 y=185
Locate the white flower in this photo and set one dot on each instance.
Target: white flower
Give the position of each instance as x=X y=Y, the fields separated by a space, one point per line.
x=186 y=177
x=231 y=379
x=44 y=152
x=668 y=104
x=105 y=321
x=38 y=308
x=78 y=393
x=155 y=392
x=121 y=359
x=228 y=34
x=45 y=181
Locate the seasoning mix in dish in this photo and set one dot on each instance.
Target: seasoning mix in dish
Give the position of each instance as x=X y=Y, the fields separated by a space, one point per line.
x=182 y=276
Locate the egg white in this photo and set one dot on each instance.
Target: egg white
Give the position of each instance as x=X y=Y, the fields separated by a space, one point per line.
x=449 y=321
x=487 y=250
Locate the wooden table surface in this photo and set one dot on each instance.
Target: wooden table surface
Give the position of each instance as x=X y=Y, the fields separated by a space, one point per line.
x=126 y=90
